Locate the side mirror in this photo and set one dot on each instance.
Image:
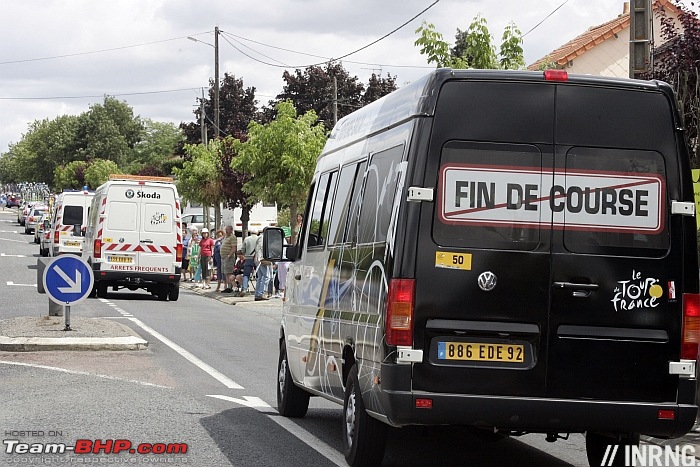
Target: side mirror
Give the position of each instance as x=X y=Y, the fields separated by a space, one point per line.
x=292 y=253
x=273 y=243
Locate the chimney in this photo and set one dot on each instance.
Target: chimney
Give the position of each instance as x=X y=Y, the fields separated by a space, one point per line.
x=626 y=8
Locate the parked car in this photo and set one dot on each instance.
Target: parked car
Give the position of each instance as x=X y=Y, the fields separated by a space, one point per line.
x=13 y=201
x=197 y=220
x=45 y=240
x=33 y=217
x=39 y=229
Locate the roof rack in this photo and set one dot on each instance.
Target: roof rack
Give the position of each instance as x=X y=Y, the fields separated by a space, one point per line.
x=141 y=178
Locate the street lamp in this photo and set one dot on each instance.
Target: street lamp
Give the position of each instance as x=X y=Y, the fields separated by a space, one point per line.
x=216 y=77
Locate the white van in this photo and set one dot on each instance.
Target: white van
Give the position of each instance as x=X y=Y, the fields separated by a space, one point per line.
x=68 y=222
x=134 y=236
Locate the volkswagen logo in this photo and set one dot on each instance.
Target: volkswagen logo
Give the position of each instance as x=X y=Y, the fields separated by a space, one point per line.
x=129 y=193
x=487 y=281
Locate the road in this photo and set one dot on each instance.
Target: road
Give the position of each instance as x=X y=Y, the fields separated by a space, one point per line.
x=207 y=380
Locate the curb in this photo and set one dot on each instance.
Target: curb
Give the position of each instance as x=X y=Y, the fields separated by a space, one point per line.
x=31 y=344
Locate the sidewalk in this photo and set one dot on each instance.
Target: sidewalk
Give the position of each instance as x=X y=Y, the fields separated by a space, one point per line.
x=228 y=298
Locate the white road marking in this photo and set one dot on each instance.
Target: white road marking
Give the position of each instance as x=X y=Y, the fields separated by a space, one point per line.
x=13 y=256
x=217 y=375
x=77 y=372
x=16 y=241
x=304 y=436
x=21 y=285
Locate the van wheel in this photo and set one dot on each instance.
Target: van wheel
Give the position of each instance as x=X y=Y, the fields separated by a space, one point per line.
x=292 y=401
x=364 y=438
x=174 y=292
x=101 y=290
x=597 y=445
x=162 y=292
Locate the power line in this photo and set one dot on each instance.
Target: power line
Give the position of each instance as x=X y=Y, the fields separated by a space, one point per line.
x=545 y=18
x=97 y=96
x=95 y=51
x=347 y=54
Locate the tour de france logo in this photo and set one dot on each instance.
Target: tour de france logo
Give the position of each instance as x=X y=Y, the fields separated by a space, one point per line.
x=638 y=292
x=129 y=193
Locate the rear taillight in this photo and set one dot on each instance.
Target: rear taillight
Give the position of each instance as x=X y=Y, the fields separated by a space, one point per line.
x=56 y=234
x=31 y=218
x=399 y=312
x=691 y=326
x=178 y=253
x=97 y=254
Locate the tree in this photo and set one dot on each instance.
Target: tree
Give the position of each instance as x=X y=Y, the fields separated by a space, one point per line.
x=280 y=156
x=312 y=89
x=109 y=131
x=70 y=176
x=99 y=171
x=378 y=87
x=473 y=48
x=157 y=146
x=237 y=108
x=677 y=62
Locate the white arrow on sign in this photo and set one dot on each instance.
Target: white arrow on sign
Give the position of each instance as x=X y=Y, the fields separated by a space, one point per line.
x=73 y=287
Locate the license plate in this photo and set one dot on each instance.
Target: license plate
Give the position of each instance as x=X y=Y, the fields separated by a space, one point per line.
x=481 y=352
x=120 y=259
x=453 y=260
x=72 y=243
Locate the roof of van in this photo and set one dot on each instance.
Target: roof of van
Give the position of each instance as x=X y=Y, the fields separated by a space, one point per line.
x=420 y=98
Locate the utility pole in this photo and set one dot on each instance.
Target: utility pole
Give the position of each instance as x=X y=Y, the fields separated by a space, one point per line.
x=202 y=121
x=640 y=37
x=335 y=100
x=216 y=82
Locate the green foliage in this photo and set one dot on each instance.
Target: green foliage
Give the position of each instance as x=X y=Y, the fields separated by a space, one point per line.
x=511 y=53
x=70 y=176
x=99 y=171
x=473 y=47
x=197 y=180
x=157 y=146
x=280 y=156
x=547 y=64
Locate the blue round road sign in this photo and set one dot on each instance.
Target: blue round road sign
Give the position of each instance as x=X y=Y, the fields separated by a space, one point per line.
x=68 y=280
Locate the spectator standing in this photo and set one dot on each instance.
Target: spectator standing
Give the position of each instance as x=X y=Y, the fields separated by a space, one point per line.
x=228 y=249
x=206 y=251
x=264 y=269
x=195 y=267
x=217 y=258
x=186 y=237
x=249 y=251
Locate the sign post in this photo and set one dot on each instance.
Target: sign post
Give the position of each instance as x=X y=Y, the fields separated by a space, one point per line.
x=68 y=280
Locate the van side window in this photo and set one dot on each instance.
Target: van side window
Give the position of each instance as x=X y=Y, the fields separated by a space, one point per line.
x=355 y=203
x=339 y=216
x=378 y=197
x=320 y=214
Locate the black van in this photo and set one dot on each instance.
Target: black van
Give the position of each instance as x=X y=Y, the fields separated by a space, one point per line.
x=514 y=251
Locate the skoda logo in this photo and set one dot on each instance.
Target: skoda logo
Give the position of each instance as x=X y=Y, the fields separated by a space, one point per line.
x=129 y=193
x=487 y=281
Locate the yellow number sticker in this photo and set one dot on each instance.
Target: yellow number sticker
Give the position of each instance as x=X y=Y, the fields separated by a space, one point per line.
x=452 y=260
x=107 y=240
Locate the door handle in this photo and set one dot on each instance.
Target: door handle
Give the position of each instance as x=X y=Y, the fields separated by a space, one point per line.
x=297 y=277
x=578 y=290
x=146 y=241
x=575 y=286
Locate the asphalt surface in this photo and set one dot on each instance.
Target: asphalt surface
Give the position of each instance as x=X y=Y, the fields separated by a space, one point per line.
x=36 y=333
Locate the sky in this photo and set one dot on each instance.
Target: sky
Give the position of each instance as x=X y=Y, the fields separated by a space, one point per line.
x=58 y=57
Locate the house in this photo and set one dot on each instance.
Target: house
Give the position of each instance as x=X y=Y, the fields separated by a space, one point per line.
x=604 y=49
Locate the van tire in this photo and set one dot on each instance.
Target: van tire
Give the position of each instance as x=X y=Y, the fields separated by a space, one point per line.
x=597 y=443
x=162 y=292
x=364 y=437
x=292 y=401
x=174 y=293
x=101 y=290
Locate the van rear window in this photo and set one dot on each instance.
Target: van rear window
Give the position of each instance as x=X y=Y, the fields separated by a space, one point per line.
x=72 y=215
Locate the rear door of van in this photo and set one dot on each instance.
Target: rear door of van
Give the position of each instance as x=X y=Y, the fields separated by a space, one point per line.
x=140 y=227
x=547 y=267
